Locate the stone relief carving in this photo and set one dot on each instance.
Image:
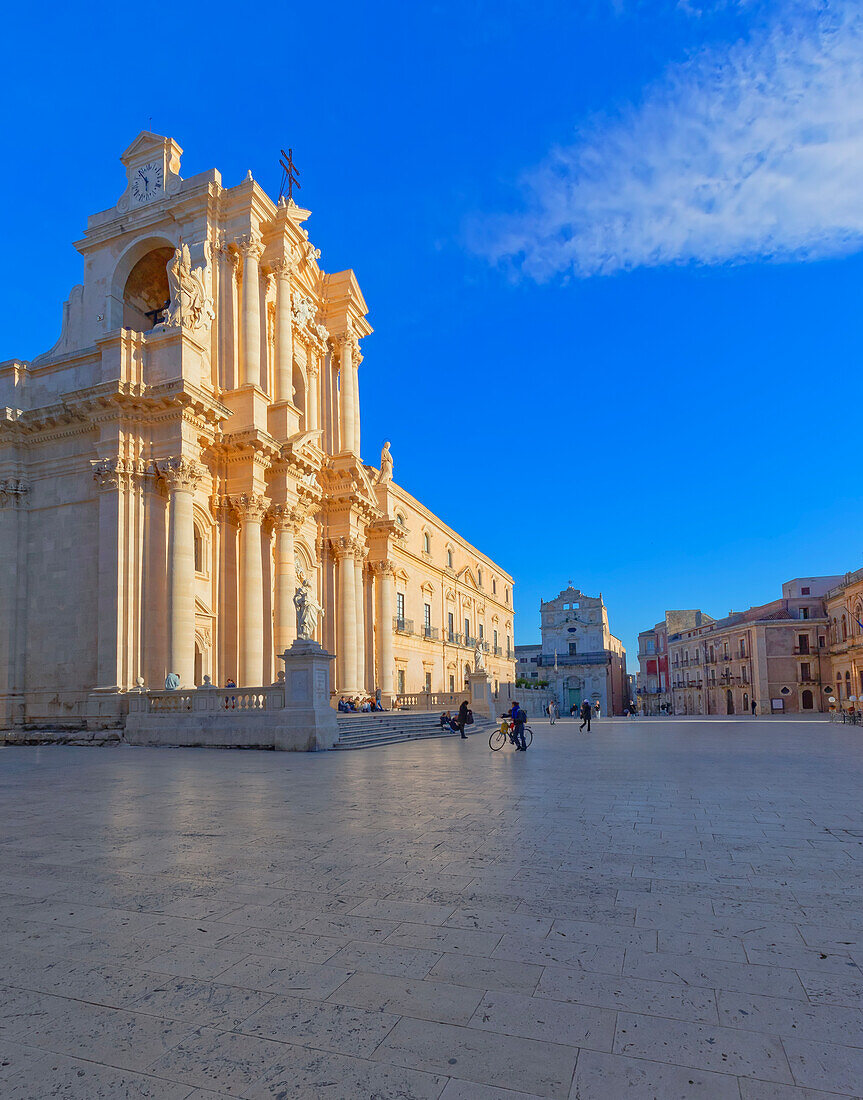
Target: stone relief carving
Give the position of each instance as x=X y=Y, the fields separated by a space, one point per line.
x=304 y=311
x=191 y=304
x=180 y=474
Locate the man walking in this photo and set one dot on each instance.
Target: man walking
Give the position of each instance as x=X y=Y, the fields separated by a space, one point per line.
x=461 y=721
x=585 y=713
x=550 y=712
x=754 y=709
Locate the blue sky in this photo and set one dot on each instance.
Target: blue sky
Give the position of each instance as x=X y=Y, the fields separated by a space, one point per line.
x=613 y=254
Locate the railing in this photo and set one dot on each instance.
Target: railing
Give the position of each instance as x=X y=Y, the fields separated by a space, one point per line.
x=510 y=654
x=210 y=699
x=430 y=632
x=453 y=638
x=403 y=626
x=802 y=651
x=546 y=660
x=430 y=700
x=469 y=642
x=498 y=652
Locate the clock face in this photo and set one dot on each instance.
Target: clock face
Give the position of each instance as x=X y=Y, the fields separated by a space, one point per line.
x=146 y=182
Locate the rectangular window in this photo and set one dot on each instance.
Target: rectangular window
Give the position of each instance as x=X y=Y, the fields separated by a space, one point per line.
x=573 y=648
x=401 y=681
x=804 y=612
x=508 y=646
x=400 y=606
x=742 y=647
x=802 y=643
x=495 y=639
x=805 y=671
x=450 y=626
x=427 y=616
x=821 y=641
x=452 y=683
x=467 y=628
x=481 y=631
x=805 y=591
x=428 y=682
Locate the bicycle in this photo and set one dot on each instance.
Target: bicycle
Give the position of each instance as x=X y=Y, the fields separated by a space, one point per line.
x=497 y=739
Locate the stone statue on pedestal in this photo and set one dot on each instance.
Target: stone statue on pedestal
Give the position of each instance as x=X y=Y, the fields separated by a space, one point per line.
x=308 y=610
x=386 y=474
x=478 y=659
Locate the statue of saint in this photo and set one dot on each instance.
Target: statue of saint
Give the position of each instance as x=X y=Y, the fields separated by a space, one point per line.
x=478 y=658
x=386 y=474
x=308 y=610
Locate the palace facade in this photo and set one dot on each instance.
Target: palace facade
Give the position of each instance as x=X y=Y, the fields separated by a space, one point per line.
x=190 y=450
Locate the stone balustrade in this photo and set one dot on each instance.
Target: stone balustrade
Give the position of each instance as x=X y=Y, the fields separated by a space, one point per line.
x=208 y=700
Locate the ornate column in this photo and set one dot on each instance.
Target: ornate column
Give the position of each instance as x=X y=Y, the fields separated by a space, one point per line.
x=250 y=364
x=385 y=572
x=359 y=562
x=284 y=332
x=347 y=401
x=285 y=627
x=343 y=550
x=181 y=476
x=251 y=509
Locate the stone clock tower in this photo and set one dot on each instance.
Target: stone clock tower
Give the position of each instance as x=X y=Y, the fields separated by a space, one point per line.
x=152 y=170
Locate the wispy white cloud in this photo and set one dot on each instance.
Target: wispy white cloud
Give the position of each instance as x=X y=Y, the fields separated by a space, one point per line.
x=753 y=151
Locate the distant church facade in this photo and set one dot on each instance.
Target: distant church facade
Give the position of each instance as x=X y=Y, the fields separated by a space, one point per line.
x=579 y=657
x=188 y=454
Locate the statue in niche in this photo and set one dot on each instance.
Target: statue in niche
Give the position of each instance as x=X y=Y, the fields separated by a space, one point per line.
x=478 y=658
x=308 y=609
x=386 y=474
x=191 y=303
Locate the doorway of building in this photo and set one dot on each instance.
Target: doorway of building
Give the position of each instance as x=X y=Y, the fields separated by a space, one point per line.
x=806 y=700
x=745 y=702
x=729 y=701
x=573 y=698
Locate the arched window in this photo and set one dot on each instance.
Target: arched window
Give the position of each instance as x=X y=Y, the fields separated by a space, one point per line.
x=479 y=577
x=494 y=586
x=146 y=293
x=506 y=595
x=844 y=629
x=858 y=619
x=426 y=542
x=449 y=557
x=400 y=519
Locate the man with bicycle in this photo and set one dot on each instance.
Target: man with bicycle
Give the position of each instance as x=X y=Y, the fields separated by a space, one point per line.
x=518 y=716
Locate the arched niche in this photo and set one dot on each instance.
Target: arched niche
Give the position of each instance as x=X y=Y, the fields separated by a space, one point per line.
x=298 y=381
x=140 y=284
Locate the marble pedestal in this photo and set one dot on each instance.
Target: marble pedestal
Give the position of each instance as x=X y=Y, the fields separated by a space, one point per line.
x=307 y=716
x=481 y=701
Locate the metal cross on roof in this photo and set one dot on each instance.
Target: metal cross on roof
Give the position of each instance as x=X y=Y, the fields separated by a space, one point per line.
x=290 y=175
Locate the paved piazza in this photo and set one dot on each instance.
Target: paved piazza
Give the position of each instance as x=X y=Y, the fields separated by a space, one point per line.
x=664 y=909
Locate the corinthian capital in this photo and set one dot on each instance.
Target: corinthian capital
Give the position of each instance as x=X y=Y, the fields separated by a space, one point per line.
x=180 y=474
x=385 y=568
x=251 y=246
x=251 y=507
x=107 y=473
x=13 y=492
x=283 y=268
x=345 y=547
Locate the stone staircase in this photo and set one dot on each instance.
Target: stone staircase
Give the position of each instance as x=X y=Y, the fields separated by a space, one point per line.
x=365 y=731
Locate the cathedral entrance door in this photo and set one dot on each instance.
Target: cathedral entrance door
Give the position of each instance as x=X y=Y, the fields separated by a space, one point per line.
x=729 y=702
x=574 y=699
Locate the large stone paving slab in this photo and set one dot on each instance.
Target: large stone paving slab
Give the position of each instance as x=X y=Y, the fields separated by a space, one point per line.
x=667 y=908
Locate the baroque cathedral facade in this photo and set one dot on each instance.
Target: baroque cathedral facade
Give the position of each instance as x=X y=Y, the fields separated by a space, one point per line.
x=188 y=454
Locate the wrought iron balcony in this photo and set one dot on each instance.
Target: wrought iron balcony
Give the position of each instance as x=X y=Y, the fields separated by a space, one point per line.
x=431 y=632
x=403 y=626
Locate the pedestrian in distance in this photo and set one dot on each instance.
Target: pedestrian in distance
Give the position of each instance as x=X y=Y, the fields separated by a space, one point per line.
x=754 y=709
x=461 y=721
x=585 y=713
x=549 y=710
x=596 y=709
x=572 y=711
